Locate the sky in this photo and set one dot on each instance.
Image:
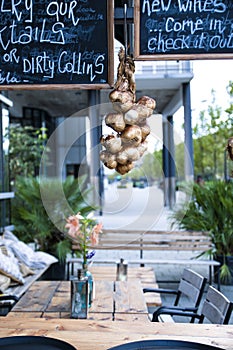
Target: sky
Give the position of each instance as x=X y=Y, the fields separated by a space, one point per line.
x=208 y=75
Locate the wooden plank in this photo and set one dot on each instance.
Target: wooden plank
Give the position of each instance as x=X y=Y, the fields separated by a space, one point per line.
x=21 y=314
x=100 y=316
x=86 y=334
x=19 y=290
x=51 y=299
x=129 y=298
x=103 y=297
x=37 y=298
x=60 y=302
x=189 y=262
x=144 y=274
x=131 y=317
x=152 y=299
x=154 y=232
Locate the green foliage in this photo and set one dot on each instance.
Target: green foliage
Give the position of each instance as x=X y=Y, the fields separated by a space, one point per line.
x=229 y=110
x=210 y=210
x=210 y=138
x=43 y=222
x=25 y=149
x=150 y=166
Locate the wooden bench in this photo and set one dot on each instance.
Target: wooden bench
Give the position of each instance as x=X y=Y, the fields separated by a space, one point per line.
x=13 y=294
x=148 y=241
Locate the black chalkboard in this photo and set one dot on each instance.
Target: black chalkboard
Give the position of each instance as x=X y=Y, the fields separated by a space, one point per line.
x=46 y=42
x=183 y=29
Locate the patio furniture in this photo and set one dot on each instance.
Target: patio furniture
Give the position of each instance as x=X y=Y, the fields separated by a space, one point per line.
x=103 y=334
x=149 y=241
x=216 y=309
x=191 y=285
x=164 y=345
x=113 y=300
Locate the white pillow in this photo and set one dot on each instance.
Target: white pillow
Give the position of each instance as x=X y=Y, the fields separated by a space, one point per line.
x=10 y=268
x=45 y=257
x=25 y=254
x=10 y=235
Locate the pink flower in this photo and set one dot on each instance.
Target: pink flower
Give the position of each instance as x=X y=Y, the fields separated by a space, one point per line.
x=97 y=229
x=73 y=225
x=84 y=233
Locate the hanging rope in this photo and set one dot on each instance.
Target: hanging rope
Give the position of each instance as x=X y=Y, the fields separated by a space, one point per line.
x=125 y=29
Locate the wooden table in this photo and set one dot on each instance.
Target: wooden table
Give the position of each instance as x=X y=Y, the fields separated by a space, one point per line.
x=102 y=335
x=114 y=300
x=144 y=274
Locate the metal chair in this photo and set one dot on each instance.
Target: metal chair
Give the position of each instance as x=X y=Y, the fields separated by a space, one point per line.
x=191 y=285
x=216 y=309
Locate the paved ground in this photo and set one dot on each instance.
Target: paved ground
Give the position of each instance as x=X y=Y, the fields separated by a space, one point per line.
x=144 y=209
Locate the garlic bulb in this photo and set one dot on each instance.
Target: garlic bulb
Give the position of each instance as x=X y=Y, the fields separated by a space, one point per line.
x=132 y=135
x=129 y=122
x=122 y=100
x=108 y=159
x=131 y=117
x=142 y=148
x=128 y=154
x=112 y=143
x=147 y=102
x=145 y=129
x=115 y=121
x=124 y=168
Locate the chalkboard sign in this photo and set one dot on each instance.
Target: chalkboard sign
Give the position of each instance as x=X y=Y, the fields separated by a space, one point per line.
x=46 y=43
x=183 y=29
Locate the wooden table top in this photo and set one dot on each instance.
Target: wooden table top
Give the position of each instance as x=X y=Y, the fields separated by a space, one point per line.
x=144 y=274
x=102 y=335
x=113 y=300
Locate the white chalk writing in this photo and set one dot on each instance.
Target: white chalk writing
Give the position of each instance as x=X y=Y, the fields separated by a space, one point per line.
x=45 y=40
x=186 y=26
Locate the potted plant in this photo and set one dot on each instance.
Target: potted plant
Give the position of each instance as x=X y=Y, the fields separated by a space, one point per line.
x=41 y=220
x=211 y=210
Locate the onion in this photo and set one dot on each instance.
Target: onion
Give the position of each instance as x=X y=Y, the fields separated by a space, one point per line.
x=132 y=135
x=115 y=121
x=112 y=143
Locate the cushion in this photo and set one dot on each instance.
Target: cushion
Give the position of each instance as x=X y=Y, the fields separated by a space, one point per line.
x=4 y=282
x=26 y=255
x=9 y=235
x=10 y=268
x=25 y=270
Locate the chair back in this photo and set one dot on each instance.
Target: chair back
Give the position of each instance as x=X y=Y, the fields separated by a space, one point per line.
x=216 y=307
x=192 y=285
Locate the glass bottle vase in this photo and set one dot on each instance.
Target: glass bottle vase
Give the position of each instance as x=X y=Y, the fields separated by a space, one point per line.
x=89 y=276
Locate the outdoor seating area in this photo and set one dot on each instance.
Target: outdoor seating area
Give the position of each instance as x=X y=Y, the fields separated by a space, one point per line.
x=152 y=241
x=119 y=306
x=118 y=316
x=20 y=267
